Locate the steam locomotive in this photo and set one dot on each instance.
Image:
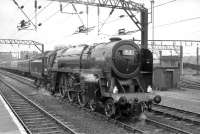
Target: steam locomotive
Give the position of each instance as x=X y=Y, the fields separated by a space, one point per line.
x=115 y=76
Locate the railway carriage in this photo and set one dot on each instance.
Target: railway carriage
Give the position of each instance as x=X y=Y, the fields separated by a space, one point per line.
x=13 y=65
x=23 y=66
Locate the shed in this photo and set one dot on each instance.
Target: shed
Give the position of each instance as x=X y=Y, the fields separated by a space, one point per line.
x=167 y=74
x=166 y=77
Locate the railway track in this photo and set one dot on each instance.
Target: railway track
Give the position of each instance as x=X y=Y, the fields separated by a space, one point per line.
x=33 y=118
x=180 y=119
x=179 y=113
x=23 y=80
x=191 y=84
x=148 y=126
x=118 y=123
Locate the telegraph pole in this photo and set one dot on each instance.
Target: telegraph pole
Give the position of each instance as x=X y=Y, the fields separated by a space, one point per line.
x=181 y=60
x=160 y=54
x=35 y=5
x=197 y=59
x=152 y=17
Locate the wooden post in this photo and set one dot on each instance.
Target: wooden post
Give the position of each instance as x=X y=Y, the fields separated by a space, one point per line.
x=160 y=52
x=42 y=45
x=181 y=60
x=197 y=59
x=152 y=19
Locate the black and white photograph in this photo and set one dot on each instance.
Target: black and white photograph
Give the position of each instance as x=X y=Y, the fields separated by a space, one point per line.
x=99 y=67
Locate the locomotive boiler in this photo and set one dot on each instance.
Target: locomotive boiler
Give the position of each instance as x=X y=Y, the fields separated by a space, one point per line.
x=115 y=76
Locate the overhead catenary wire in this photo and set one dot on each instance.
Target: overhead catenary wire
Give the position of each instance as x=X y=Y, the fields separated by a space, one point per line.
x=98 y=15
x=54 y=14
x=77 y=13
x=35 y=15
x=163 y=4
x=43 y=9
x=179 y=21
x=44 y=21
x=87 y=12
x=111 y=12
x=15 y=2
x=29 y=20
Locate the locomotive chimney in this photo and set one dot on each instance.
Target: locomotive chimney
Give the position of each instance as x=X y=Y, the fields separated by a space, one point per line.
x=115 y=39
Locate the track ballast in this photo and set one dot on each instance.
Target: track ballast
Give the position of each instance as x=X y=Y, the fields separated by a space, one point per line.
x=33 y=118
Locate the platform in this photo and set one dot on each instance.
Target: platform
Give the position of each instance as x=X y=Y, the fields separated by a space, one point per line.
x=186 y=99
x=8 y=121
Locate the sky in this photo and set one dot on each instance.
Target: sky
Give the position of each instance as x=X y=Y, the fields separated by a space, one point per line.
x=179 y=19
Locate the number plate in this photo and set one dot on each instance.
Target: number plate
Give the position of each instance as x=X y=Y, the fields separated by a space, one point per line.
x=128 y=52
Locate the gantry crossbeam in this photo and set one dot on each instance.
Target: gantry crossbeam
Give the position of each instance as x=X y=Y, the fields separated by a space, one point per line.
x=118 y=4
x=23 y=42
x=128 y=6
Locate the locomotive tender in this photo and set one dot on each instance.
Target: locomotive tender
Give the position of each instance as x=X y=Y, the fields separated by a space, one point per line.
x=115 y=76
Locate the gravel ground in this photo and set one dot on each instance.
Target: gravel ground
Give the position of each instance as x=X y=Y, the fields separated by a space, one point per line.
x=81 y=120
x=187 y=99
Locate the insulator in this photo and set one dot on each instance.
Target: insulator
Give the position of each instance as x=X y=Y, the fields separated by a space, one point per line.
x=87 y=9
x=121 y=16
x=98 y=11
x=35 y=4
x=61 y=8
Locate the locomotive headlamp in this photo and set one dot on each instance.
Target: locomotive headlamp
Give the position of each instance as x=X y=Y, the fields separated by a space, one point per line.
x=149 y=89
x=157 y=99
x=115 y=90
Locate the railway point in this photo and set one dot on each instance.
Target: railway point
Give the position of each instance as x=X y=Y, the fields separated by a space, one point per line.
x=9 y=124
x=186 y=99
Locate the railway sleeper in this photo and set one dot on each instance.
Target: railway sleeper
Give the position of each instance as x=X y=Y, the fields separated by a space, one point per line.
x=19 y=104
x=35 y=119
x=42 y=129
x=22 y=106
x=20 y=111
x=23 y=109
x=40 y=125
x=28 y=113
x=52 y=132
x=48 y=132
x=29 y=116
x=32 y=122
